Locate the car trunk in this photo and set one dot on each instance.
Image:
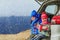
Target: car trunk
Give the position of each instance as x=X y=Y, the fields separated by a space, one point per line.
x=55 y=32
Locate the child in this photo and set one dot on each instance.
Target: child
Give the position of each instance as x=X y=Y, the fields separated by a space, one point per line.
x=44 y=27
x=34 y=19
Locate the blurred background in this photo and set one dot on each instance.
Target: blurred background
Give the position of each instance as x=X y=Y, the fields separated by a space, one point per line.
x=14 y=15
x=15 y=18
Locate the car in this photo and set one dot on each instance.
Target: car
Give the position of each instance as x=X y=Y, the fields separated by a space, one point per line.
x=52 y=8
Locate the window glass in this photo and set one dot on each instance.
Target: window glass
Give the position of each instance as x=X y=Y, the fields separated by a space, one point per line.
x=51 y=9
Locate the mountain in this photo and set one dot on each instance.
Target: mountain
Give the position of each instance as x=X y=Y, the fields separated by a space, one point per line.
x=14 y=24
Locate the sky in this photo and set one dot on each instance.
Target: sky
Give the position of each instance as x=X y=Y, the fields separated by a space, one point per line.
x=17 y=7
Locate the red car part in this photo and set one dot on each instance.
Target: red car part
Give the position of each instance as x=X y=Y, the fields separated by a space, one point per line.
x=56 y=19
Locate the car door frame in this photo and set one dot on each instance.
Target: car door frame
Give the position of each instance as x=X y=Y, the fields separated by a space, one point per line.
x=45 y=4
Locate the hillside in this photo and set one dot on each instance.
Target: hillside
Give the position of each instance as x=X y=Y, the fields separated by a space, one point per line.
x=20 y=36
x=14 y=24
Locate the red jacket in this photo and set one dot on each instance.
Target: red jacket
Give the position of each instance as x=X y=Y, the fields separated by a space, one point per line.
x=41 y=28
x=44 y=18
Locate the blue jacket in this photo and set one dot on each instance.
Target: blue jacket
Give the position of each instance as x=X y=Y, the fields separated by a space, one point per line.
x=34 y=30
x=38 y=19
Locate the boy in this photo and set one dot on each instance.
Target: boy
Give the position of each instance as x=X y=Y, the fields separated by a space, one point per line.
x=35 y=21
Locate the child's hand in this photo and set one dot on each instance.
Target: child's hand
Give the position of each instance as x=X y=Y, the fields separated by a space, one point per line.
x=32 y=18
x=37 y=26
x=45 y=28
